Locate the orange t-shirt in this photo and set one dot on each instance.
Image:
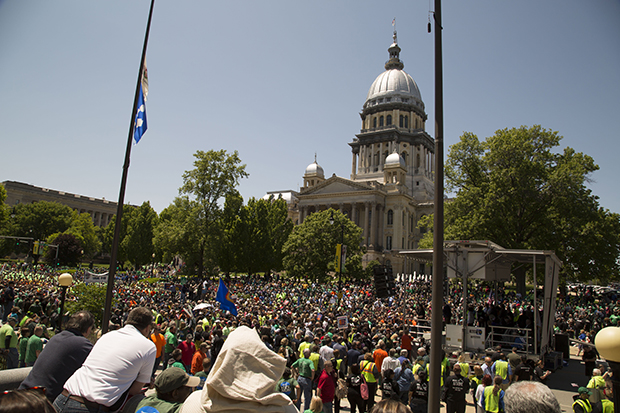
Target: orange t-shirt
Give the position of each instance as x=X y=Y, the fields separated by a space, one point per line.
x=197 y=362
x=379 y=355
x=159 y=341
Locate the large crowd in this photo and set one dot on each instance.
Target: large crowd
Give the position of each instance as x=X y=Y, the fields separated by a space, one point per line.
x=332 y=342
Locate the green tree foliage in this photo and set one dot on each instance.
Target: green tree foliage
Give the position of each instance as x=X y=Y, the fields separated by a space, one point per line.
x=190 y=226
x=229 y=249
x=89 y=297
x=108 y=233
x=84 y=230
x=310 y=250
x=69 y=249
x=260 y=232
x=138 y=241
x=515 y=190
x=41 y=219
x=5 y=246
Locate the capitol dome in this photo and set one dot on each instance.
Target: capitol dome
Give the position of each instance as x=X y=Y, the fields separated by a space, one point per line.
x=395 y=159
x=394 y=85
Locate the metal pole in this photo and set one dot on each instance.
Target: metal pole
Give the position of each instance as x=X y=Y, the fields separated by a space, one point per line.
x=121 y=196
x=437 y=300
x=62 y=307
x=535 y=312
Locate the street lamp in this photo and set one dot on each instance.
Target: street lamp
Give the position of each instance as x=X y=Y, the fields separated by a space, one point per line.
x=65 y=280
x=341 y=252
x=153 y=266
x=607 y=342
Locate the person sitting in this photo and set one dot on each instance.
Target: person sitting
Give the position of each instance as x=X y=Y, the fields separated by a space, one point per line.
x=242 y=379
x=173 y=387
x=206 y=368
x=175 y=359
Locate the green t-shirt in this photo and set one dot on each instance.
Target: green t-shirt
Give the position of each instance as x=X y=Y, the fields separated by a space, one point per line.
x=23 y=346
x=179 y=365
x=7 y=331
x=162 y=406
x=305 y=367
x=34 y=344
x=171 y=342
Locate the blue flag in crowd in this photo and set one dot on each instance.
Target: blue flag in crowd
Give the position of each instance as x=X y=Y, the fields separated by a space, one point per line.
x=141 y=126
x=223 y=297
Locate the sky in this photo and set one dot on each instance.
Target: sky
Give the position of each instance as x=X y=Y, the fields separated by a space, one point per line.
x=280 y=81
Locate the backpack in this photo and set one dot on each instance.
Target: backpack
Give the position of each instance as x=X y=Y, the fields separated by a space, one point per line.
x=341 y=389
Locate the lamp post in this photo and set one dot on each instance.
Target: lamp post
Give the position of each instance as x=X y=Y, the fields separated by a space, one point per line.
x=153 y=266
x=607 y=342
x=340 y=251
x=65 y=280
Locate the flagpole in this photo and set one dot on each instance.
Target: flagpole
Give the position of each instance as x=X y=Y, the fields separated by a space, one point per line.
x=438 y=227
x=121 y=196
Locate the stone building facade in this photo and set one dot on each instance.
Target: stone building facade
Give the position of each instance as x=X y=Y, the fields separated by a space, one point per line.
x=391 y=186
x=100 y=210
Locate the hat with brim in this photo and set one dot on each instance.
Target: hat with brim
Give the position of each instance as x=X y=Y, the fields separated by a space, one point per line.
x=585 y=390
x=172 y=378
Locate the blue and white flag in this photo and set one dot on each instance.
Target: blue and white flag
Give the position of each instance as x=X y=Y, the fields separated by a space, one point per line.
x=223 y=297
x=141 y=125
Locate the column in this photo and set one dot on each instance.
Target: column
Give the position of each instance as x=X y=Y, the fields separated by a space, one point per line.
x=353 y=165
x=366 y=226
x=354 y=213
x=381 y=228
x=373 y=224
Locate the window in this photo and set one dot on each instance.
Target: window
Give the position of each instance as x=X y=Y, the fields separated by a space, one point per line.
x=380 y=121
x=400 y=121
x=390 y=217
x=374 y=123
x=388 y=242
x=388 y=120
x=406 y=121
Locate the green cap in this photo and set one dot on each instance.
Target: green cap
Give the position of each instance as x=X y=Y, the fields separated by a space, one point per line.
x=172 y=378
x=584 y=390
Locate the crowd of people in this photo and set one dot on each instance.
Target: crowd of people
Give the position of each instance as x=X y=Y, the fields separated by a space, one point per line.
x=321 y=344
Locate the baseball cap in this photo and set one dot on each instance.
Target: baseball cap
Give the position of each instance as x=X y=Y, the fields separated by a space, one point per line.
x=172 y=378
x=584 y=390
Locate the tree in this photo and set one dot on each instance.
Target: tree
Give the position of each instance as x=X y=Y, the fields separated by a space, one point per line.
x=84 y=230
x=138 y=241
x=228 y=251
x=310 y=250
x=69 y=249
x=197 y=211
x=108 y=233
x=513 y=189
x=89 y=297
x=5 y=246
x=41 y=219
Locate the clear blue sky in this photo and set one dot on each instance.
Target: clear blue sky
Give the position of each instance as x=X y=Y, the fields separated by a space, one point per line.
x=280 y=80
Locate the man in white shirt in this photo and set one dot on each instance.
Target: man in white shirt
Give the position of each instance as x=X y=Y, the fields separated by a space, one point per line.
x=326 y=352
x=120 y=364
x=390 y=362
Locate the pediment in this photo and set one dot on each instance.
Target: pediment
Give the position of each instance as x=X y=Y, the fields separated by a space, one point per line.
x=337 y=185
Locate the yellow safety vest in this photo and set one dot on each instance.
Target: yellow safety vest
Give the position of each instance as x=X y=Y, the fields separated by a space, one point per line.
x=369 y=366
x=585 y=404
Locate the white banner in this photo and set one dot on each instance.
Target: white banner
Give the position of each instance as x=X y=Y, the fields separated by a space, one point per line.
x=90 y=277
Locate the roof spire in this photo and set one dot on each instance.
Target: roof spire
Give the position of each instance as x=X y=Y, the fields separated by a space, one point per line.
x=394 y=50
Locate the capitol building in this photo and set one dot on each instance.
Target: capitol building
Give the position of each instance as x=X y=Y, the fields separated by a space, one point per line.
x=392 y=172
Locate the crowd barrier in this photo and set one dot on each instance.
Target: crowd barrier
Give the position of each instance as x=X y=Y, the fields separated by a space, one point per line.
x=12 y=378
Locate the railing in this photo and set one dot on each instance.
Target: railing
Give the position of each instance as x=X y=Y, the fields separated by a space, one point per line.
x=511 y=337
